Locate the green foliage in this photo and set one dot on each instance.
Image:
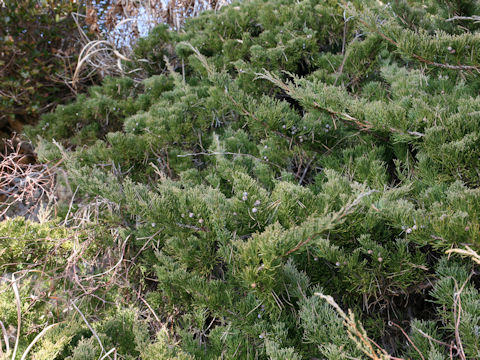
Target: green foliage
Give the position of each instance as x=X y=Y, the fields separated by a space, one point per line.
x=163 y=348
x=23 y=242
x=282 y=148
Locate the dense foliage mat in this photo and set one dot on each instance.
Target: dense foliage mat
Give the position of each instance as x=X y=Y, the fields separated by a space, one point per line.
x=280 y=153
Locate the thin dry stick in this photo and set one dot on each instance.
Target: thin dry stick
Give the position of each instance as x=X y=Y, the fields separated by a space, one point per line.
x=148 y=306
x=468 y=252
x=474 y=18
x=70 y=207
x=108 y=354
x=457 y=311
x=149 y=239
x=19 y=315
x=34 y=341
x=5 y=336
x=114 y=266
x=340 y=69
x=408 y=339
x=89 y=327
x=305 y=171
x=357 y=333
x=433 y=339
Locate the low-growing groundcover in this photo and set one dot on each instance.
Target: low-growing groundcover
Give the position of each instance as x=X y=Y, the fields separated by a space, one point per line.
x=280 y=153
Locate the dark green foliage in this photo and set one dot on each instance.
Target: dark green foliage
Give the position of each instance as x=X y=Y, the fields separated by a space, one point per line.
x=92 y=116
x=150 y=52
x=37 y=44
x=282 y=149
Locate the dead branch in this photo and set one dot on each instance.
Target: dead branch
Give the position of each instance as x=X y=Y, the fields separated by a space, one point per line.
x=22 y=181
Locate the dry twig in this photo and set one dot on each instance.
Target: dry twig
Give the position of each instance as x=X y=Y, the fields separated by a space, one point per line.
x=19 y=315
x=468 y=251
x=22 y=182
x=357 y=333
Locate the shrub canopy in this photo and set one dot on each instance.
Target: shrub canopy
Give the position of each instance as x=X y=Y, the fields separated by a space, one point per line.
x=279 y=150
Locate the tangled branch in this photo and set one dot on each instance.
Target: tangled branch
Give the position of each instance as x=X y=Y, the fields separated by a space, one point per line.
x=23 y=182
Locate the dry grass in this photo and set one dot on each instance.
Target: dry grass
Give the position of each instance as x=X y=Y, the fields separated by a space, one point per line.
x=357 y=333
x=24 y=185
x=468 y=251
